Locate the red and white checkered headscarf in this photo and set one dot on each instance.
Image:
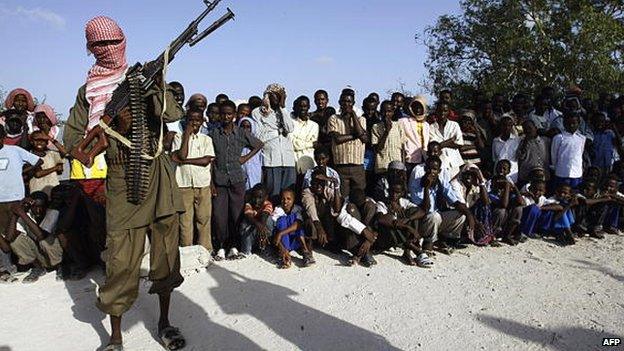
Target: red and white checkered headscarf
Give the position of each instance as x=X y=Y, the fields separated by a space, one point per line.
x=110 y=65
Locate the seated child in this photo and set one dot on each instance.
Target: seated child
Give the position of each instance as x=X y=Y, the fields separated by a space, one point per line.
x=288 y=234
x=536 y=174
x=469 y=187
x=548 y=216
x=397 y=173
x=256 y=225
x=397 y=223
x=46 y=176
x=433 y=150
x=507 y=202
x=593 y=174
x=613 y=207
x=503 y=167
x=322 y=203
x=356 y=221
x=30 y=236
x=321 y=157
x=590 y=212
x=81 y=230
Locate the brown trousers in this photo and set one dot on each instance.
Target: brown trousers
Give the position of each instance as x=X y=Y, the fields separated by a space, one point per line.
x=125 y=252
x=196 y=217
x=351 y=177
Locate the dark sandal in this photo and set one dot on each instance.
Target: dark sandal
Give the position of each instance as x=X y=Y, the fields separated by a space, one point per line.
x=408 y=259
x=34 y=275
x=113 y=347
x=171 y=338
x=443 y=248
x=495 y=243
x=308 y=260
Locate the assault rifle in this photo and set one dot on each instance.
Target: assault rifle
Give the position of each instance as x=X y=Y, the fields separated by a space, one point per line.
x=149 y=74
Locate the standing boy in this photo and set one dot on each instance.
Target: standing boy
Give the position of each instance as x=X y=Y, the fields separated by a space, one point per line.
x=12 y=159
x=387 y=139
x=566 y=153
x=194 y=153
x=229 y=179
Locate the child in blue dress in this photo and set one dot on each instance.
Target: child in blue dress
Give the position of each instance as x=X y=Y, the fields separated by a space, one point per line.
x=288 y=233
x=549 y=216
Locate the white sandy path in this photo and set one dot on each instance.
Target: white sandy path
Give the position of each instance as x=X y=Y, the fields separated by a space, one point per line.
x=531 y=297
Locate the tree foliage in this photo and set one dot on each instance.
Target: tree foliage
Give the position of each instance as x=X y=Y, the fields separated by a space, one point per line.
x=513 y=46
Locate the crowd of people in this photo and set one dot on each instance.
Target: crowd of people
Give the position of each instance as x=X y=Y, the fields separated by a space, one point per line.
x=259 y=177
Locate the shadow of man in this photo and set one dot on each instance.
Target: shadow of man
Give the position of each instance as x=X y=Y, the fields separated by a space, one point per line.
x=303 y=326
x=572 y=338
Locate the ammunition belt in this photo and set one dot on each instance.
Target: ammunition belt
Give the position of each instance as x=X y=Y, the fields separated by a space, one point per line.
x=136 y=166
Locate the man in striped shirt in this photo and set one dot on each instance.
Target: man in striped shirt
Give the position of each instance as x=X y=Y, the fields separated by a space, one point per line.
x=348 y=143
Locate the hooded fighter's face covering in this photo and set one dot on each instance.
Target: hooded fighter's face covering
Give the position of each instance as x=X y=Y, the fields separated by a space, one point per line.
x=108 y=44
x=106 y=41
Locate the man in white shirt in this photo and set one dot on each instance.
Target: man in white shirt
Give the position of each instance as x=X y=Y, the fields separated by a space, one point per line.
x=194 y=152
x=304 y=136
x=566 y=152
x=450 y=137
x=543 y=114
x=505 y=146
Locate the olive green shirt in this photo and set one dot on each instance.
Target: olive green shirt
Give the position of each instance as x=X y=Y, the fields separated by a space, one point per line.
x=163 y=197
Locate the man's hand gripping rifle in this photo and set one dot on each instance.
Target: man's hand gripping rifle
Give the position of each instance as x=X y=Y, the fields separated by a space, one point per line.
x=151 y=73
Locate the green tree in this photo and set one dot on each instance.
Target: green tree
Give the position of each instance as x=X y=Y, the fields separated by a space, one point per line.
x=514 y=46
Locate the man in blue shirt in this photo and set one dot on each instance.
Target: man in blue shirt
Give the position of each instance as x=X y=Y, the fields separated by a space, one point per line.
x=431 y=193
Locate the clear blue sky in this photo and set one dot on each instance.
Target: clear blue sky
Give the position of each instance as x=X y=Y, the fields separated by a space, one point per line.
x=302 y=44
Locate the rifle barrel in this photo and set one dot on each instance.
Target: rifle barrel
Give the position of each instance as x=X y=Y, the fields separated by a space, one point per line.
x=190 y=31
x=218 y=23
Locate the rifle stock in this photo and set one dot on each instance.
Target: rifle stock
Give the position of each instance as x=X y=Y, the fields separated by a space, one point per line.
x=81 y=152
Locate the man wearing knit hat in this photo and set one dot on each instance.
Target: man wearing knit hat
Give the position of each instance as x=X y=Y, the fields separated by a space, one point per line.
x=128 y=223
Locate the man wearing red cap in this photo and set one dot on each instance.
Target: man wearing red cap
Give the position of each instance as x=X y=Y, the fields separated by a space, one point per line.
x=128 y=223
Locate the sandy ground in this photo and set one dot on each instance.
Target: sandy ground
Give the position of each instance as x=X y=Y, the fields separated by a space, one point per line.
x=532 y=297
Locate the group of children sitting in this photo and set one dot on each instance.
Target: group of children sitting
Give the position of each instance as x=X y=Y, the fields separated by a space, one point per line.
x=355 y=181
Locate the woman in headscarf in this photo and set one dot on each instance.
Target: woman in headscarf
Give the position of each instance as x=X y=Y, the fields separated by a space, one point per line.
x=416 y=131
x=253 y=167
x=21 y=101
x=46 y=121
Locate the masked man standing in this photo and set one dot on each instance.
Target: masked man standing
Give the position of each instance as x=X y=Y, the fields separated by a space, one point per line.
x=129 y=222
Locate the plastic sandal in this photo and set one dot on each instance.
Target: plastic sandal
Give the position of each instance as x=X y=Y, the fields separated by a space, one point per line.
x=424 y=261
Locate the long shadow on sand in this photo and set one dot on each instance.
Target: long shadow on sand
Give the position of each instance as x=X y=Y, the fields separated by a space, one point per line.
x=564 y=339
x=201 y=333
x=598 y=268
x=303 y=326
